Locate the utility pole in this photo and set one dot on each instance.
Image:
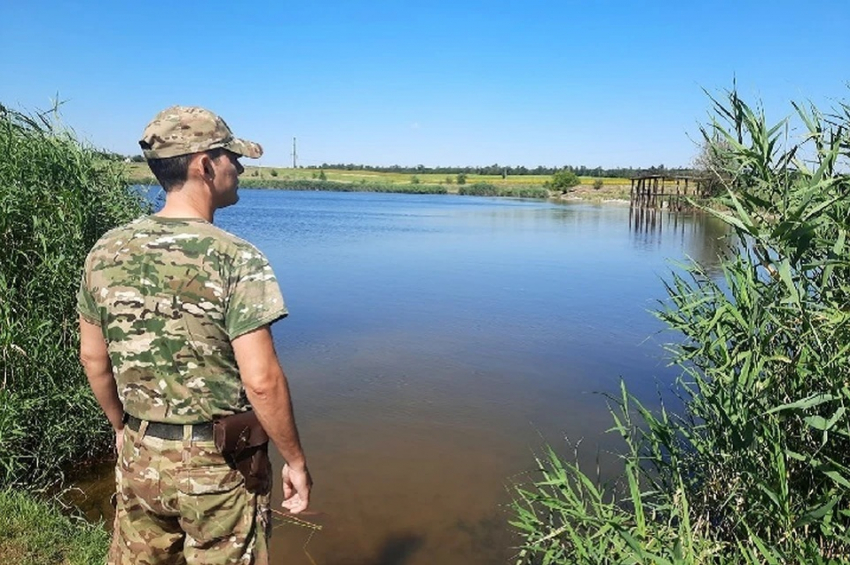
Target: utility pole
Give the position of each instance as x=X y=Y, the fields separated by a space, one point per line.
x=294 y=155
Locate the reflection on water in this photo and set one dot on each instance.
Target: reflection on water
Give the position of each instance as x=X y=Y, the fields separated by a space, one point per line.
x=704 y=239
x=435 y=342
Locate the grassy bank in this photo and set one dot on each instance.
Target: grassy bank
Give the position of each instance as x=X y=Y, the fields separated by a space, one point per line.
x=756 y=469
x=38 y=533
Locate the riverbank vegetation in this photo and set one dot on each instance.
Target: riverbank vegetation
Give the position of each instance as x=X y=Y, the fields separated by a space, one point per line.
x=338 y=186
x=757 y=467
x=57 y=198
x=35 y=533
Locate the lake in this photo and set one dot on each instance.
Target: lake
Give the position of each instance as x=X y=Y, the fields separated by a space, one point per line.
x=436 y=343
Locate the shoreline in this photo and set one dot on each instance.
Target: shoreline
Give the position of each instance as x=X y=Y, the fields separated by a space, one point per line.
x=345 y=180
x=613 y=193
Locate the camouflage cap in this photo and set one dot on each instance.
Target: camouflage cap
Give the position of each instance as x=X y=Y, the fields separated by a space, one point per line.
x=181 y=130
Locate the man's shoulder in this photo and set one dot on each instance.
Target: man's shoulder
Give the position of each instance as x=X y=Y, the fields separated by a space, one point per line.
x=118 y=231
x=157 y=229
x=239 y=250
x=117 y=235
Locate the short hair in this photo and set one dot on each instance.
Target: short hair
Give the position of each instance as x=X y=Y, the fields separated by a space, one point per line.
x=172 y=172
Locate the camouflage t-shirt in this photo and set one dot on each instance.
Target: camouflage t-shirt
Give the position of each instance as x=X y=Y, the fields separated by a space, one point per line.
x=169 y=296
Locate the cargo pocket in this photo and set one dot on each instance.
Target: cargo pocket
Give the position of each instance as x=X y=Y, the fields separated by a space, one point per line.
x=129 y=465
x=209 y=479
x=213 y=502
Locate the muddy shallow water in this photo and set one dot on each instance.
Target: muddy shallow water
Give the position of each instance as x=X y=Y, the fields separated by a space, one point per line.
x=436 y=342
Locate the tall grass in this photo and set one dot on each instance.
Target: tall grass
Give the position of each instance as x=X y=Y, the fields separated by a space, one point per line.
x=757 y=467
x=56 y=198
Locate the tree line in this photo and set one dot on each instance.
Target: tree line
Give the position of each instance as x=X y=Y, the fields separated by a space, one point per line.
x=507 y=170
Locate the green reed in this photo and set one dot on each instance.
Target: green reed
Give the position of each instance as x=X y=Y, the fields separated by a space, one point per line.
x=56 y=198
x=757 y=467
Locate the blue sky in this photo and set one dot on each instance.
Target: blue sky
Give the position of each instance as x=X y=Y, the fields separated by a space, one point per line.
x=596 y=83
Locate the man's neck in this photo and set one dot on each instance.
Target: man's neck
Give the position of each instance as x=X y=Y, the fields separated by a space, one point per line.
x=187 y=201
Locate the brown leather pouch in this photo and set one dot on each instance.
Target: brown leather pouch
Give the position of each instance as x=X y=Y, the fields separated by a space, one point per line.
x=244 y=443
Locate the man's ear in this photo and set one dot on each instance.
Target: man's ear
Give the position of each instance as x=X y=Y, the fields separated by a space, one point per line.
x=201 y=168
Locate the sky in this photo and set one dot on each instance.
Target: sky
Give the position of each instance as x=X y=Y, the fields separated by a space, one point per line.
x=439 y=83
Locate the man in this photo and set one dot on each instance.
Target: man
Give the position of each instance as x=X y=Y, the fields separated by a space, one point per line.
x=174 y=327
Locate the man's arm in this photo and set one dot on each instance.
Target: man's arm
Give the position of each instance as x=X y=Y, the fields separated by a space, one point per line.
x=268 y=392
x=95 y=359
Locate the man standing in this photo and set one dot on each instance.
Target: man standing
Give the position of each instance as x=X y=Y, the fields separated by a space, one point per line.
x=174 y=328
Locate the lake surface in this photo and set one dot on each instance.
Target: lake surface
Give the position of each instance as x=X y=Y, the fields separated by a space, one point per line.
x=435 y=343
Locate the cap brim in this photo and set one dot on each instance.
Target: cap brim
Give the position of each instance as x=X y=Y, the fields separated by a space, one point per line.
x=245 y=148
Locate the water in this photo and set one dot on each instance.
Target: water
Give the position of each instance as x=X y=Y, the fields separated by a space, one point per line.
x=436 y=342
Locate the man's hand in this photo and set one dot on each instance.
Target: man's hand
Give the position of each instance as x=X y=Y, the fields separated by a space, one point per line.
x=268 y=391
x=119 y=441
x=296 y=488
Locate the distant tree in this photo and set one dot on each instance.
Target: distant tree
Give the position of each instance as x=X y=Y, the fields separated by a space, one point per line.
x=138 y=158
x=322 y=175
x=461 y=178
x=714 y=166
x=564 y=181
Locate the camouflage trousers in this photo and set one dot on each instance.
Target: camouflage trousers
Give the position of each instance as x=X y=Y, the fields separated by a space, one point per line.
x=179 y=503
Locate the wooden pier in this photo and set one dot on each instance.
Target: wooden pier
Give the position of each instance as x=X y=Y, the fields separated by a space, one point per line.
x=664 y=191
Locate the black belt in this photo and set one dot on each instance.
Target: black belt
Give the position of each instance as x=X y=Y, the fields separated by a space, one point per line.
x=200 y=432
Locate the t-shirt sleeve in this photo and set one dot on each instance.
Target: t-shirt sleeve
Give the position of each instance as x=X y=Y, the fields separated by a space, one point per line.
x=86 y=305
x=255 y=297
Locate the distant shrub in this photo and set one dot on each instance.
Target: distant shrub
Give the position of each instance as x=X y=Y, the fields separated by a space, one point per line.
x=273 y=172
x=414 y=180
x=597 y=184
x=461 y=178
x=564 y=181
